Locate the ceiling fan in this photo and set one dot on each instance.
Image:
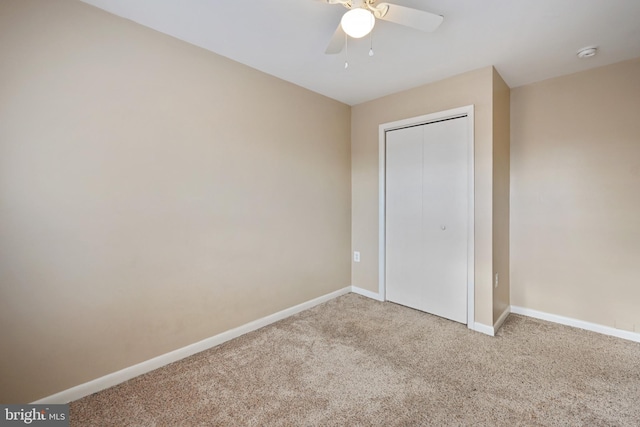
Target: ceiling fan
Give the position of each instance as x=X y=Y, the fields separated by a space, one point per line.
x=362 y=14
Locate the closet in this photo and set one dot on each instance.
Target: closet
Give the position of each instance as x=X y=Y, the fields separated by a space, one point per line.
x=427 y=217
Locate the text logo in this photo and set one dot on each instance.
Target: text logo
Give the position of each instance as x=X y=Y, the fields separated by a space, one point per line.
x=34 y=415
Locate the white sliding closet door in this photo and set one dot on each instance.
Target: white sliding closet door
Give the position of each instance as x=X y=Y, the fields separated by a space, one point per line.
x=427 y=217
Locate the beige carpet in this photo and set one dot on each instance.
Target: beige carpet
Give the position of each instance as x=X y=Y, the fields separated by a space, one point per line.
x=354 y=361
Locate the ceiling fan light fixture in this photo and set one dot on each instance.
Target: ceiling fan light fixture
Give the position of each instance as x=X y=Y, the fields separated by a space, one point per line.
x=358 y=22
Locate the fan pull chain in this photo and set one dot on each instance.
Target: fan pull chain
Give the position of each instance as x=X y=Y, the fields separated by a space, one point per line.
x=346 y=51
x=371 y=43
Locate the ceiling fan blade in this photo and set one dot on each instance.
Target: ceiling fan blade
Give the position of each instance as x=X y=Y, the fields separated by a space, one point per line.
x=414 y=18
x=337 y=42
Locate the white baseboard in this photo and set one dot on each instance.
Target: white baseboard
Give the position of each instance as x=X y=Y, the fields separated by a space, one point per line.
x=492 y=330
x=125 y=374
x=501 y=319
x=366 y=293
x=482 y=328
x=594 y=327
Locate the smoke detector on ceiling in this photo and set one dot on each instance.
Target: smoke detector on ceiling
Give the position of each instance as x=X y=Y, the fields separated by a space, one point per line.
x=587 y=52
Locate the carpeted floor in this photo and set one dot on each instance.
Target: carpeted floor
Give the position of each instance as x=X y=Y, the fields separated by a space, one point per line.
x=354 y=361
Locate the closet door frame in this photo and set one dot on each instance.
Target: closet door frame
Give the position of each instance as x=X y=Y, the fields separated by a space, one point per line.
x=466 y=111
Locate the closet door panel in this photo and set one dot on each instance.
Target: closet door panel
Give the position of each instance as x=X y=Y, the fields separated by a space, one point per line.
x=444 y=219
x=404 y=246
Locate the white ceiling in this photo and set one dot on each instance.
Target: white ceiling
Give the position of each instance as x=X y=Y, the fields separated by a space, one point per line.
x=526 y=40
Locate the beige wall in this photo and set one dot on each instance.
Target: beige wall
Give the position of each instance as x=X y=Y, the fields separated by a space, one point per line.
x=152 y=194
x=575 y=196
x=475 y=88
x=501 y=123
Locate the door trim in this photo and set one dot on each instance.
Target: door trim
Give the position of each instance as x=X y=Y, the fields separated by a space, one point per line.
x=382 y=146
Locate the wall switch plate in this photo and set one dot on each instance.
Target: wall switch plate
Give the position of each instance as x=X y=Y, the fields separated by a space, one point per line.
x=495 y=285
x=356 y=256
